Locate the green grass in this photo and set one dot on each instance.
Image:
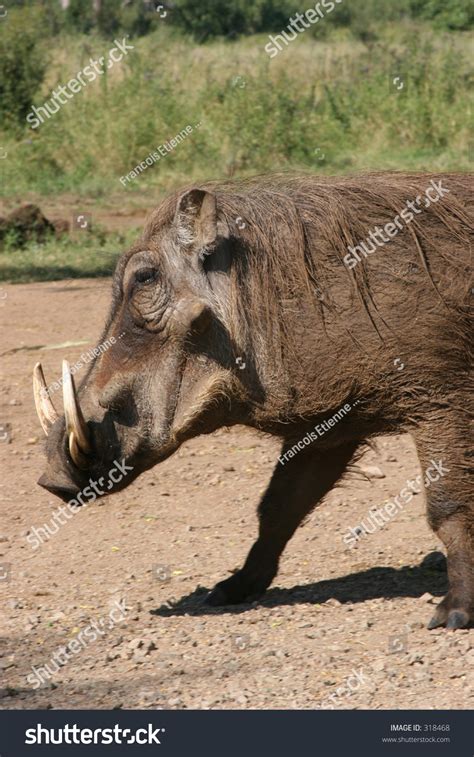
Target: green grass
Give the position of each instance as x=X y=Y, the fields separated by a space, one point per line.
x=330 y=97
x=87 y=255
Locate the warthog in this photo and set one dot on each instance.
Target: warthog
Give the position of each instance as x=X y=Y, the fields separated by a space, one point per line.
x=258 y=273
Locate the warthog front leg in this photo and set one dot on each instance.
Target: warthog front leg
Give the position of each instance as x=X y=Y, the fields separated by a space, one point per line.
x=450 y=511
x=295 y=488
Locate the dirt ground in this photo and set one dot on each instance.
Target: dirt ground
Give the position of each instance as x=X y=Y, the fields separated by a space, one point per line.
x=340 y=622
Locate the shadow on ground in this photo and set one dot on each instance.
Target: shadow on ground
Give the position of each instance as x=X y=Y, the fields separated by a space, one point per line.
x=376 y=583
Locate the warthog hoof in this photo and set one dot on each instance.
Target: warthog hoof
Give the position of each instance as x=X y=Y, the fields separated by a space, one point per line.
x=450 y=615
x=236 y=589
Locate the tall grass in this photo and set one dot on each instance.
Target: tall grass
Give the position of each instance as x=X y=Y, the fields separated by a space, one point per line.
x=333 y=98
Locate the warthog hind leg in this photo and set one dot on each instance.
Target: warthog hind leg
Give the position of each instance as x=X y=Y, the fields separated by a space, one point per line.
x=450 y=501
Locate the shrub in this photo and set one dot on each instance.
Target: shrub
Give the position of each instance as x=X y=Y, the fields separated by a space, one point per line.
x=232 y=18
x=23 y=63
x=457 y=14
x=80 y=16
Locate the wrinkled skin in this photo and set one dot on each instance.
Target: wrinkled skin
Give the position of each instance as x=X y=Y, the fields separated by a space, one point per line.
x=149 y=392
x=171 y=374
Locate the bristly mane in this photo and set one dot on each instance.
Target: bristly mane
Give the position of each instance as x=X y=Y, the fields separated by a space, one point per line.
x=296 y=229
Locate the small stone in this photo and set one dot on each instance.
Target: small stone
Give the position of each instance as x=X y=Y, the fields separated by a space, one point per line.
x=372 y=471
x=56 y=616
x=174 y=702
x=415 y=657
x=332 y=602
x=110 y=656
x=427 y=597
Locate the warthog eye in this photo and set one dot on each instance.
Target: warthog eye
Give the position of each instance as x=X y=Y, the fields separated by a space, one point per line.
x=146 y=276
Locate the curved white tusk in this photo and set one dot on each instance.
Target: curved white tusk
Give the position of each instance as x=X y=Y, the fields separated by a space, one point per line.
x=76 y=427
x=76 y=453
x=44 y=407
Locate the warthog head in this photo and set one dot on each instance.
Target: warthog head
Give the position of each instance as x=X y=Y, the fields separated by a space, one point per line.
x=169 y=371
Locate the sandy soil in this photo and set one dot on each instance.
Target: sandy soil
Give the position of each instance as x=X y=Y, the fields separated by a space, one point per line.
x=338 y=621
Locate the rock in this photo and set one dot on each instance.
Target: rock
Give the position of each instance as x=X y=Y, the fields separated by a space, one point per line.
x=372 y=471
x=59 y=615
x=332 y=602
x=427 y=597
x=61 y=226
x=415 y=625
x=135 y=644
x=27 y=223
x=415 y=657
x=110 y=656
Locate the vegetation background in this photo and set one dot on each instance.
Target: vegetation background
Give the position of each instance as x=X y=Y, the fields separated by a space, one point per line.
x=330 y=102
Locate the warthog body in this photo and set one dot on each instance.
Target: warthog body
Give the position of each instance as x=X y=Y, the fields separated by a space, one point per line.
x=259 y=273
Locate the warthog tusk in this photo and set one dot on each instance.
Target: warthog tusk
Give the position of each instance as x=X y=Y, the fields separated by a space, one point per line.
x=76 y=427
x=44 y=407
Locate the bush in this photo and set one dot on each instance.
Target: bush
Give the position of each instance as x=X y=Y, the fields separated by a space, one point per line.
x=232 y=18
x=80 y=16
x=456 y=15
x=23 y=63
x=135 y=18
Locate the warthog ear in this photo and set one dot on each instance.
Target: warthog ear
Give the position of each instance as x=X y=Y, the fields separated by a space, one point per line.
x=196 y=219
